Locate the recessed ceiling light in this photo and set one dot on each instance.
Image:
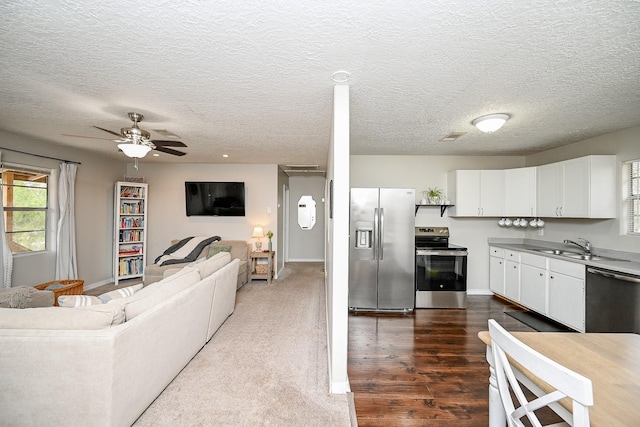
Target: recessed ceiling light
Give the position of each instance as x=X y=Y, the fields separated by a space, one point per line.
x=490 y=122
x=225 y=155
x=156 y=155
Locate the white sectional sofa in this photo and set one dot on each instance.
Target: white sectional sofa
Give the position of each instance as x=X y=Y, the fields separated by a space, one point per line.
x=103 y=365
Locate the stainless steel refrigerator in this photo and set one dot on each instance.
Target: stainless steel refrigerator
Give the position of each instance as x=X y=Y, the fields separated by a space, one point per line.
x=382 y=249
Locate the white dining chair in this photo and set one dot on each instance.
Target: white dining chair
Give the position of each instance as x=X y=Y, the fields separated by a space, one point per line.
x=564 y=382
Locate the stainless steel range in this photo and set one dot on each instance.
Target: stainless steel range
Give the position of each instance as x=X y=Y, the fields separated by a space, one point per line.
x=441 y=270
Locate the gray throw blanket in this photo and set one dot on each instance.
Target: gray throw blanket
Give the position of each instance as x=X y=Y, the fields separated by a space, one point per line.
x=167 y=259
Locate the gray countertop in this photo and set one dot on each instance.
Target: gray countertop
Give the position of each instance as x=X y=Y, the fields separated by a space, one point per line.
x=626 y=262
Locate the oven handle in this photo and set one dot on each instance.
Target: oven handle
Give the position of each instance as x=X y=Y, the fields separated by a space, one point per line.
x=442 y=253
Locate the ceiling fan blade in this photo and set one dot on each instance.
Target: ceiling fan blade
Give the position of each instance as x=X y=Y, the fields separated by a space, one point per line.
x=170 y=151
x=110 y=131
x=87 y=137
x=167 y=143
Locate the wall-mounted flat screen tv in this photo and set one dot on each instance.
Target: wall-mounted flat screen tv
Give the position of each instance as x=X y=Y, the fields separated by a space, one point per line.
x=214 y=198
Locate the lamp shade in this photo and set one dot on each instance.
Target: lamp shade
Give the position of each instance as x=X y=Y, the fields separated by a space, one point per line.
x=134 y=150
x=258 y=232
x=491 y=122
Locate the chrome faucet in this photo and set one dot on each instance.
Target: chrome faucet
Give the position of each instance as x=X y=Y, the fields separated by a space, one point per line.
x=586 y=247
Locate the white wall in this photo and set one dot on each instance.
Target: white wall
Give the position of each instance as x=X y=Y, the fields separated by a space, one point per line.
x=94 y=209
x=166 y=216
x=337 y=243
x=307 y=245
x=422 y=172
x=608 y=234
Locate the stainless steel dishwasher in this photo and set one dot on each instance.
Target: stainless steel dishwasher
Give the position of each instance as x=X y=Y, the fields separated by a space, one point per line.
x=612 y=301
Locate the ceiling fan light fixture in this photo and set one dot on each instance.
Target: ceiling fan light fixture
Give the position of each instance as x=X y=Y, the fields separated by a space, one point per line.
x=490 y=122
x=137 y=151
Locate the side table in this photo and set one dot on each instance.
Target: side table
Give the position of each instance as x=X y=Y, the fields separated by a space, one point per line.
x=259 y=270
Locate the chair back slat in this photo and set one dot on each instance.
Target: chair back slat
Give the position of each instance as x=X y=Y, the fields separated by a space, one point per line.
x=507 y=349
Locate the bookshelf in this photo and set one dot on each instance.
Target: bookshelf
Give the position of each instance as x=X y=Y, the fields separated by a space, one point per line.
x=130 y=232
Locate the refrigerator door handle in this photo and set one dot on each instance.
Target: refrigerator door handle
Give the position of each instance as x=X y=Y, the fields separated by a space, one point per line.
x=376 y=231
x=381 y=238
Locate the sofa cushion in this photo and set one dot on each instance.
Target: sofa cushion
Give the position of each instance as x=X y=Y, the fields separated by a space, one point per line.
x=158 y=292
x=213 y=264
x=120 y=293
x=77 y=300
x=217 y=248
x=89 y=317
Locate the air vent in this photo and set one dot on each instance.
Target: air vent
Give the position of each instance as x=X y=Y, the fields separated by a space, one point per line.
x=302 y=170
x=166 y=133
x=453 y=136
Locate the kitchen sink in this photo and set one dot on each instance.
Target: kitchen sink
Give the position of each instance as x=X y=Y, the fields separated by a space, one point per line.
x=576 y=255
x=557 y=252
x=589 y=257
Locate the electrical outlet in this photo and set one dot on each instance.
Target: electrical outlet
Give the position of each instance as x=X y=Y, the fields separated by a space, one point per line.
x=540 y=231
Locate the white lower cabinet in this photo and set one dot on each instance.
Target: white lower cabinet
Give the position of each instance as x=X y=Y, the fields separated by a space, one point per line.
x=567 y=293
x=533 y=282
x=533 y=288
x=512 y=280
x=496 y=270
x=548 y=286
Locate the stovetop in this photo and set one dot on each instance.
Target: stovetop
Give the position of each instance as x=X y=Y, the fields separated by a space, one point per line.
x=434 y=238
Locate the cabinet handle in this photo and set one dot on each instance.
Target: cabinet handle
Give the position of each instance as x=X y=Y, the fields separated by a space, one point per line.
x=561 y=211
x=550 y=277
x=540 y=274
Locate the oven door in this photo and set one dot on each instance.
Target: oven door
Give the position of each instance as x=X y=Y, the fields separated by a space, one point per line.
x=441 y=270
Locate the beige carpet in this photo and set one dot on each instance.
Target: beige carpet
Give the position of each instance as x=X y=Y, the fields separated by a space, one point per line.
x=266 y=365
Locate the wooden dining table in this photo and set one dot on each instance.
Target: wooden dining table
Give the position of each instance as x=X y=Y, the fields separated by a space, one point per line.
x=610 y=360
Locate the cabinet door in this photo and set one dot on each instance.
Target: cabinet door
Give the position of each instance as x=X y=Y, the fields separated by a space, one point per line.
x=533 y=287
x=566 y=300
x=491 y=192
x=549 y=190
x=520 y=192
x=512 y=280
x=575 y=203
x=467 y=193
x=496 y=275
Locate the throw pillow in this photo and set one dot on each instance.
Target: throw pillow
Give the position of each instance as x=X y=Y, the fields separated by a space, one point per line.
x=215 y=249
x=54 y=286
x=77 y=300
x=120 y=293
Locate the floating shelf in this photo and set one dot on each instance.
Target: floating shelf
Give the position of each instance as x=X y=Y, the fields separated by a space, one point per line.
x=442 y=208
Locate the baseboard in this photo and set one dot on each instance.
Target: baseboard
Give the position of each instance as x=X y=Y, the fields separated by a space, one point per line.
x=305 y=260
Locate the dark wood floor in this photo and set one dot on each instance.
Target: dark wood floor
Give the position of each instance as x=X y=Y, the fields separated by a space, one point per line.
x=424 y=368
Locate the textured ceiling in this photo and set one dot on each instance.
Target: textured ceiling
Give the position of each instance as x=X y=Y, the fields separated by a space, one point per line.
x=252 y=79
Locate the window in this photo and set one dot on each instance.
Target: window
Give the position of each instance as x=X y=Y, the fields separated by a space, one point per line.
x=633 y=197
x=25 y=196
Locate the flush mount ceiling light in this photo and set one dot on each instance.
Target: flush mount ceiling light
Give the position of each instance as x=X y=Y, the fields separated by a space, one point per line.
x=490 y=122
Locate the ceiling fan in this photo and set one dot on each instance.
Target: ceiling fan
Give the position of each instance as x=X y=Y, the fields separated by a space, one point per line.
x=135 y=142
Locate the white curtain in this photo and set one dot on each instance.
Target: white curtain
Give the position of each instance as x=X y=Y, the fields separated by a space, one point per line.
x=6 y=267
x=66 y=261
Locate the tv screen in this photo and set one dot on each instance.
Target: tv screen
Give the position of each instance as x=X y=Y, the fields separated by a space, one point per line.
x=214 y=198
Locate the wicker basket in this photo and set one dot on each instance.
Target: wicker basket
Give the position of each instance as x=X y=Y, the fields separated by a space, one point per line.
x=73 y=287
x=262 y=268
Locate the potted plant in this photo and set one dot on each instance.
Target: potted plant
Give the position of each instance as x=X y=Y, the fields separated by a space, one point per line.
x=435 y=195
x=269 y=235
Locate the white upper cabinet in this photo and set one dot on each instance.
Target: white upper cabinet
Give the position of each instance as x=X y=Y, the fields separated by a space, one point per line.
x=520 y=192
x=578 y=188
x=476 y=192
